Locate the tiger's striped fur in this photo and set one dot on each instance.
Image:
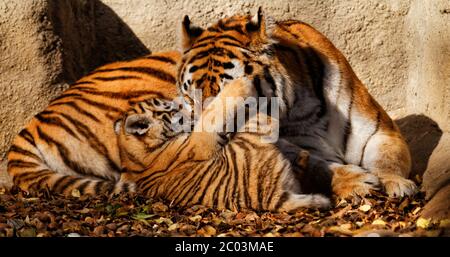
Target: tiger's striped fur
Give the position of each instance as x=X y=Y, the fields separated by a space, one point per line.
x=327 y=109
x=71 y=144
x=202 y=168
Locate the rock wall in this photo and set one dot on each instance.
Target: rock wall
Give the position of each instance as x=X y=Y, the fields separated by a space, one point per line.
x=399 y=48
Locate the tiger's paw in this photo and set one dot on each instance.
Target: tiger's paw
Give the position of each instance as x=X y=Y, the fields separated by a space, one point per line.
x=350 y=181
x=396 y=186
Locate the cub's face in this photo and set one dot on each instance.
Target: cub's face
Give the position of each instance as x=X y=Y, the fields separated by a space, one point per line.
x=144 y=129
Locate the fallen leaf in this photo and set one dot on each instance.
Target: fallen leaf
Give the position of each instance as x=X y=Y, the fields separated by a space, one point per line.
x=379 y=222
x=365 y=208
x=445 y=223
x=207 y=231
x=195 y=218
x=76 y=193
x=423 y=223
x=416 y=210
x=164 y=220
x=143 y=216
x=173 y=227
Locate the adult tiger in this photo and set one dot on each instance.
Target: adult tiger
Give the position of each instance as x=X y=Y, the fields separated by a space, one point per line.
x=327 y=109
x=203 y=167
x=71 y=144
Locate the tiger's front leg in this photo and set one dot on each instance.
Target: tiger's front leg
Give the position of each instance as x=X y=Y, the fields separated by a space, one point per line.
x=379 y=159
x=209 y=130
x=387 y=156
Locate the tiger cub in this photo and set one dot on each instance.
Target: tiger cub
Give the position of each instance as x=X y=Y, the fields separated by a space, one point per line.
x=327 y=109
x=71 y=144
x=204 y=168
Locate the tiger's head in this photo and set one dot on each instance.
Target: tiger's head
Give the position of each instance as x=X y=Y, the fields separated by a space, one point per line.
x=232 y=48
x=146 y=127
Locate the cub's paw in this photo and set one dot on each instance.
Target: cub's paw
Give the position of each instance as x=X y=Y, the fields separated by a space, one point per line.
x=396 y=186
x=350 y=181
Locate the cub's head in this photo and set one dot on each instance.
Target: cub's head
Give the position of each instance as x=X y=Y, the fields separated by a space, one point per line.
x=232 y=48
x=147 y=126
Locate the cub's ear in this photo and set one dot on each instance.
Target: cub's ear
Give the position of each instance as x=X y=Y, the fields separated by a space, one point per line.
x=261 y=25
x=189 y=33
x=137 y=124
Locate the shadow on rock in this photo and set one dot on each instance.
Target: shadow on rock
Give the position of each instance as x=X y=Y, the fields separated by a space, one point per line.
x=115 y=39
x=422 y=135
x=88 y=34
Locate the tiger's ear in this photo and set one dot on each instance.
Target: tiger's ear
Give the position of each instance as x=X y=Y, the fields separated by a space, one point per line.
x=260 y=25
x=137 y=124
x=189 y=33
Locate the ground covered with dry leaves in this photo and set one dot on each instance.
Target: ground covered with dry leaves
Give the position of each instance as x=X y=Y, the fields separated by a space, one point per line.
x=131 y=215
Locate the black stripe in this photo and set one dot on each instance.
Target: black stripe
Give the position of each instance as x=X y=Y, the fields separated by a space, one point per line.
x=56 y=122
x=246 y=170
x=234 y=45
x=66 y=95
x=21 y=164
x=24 y=133
x=236 y=176
x=160 y=74
x=227 y=183
x=26 y=176
x=82 y=83
x=228 y=65
x=98 y=187
x=64 y=186
x=292 y=53
x=161 y=58
x=64 y=154
x=229 y=37
x=125 y=188
x=134 y=159
x=198 y=46
x=257 y=84
x=209 y=183
x=124 y=95
x=75 y=106
x=100 y=105
x=194 y=68
x=225 y=76
x=193 y=190
x=30 y=175
x=83 y=186
x=283 y=198
x=222 y=170
x=108 y=187
x=348 y=125
x=377 y=127
x=204 y=39
x=316 y=70
x=237 y=28
x=38 y=184
x=59 y=182
x=115 y=77
x=18 y=149
x=92 y=140
x=268 y=77
x=275 y=183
